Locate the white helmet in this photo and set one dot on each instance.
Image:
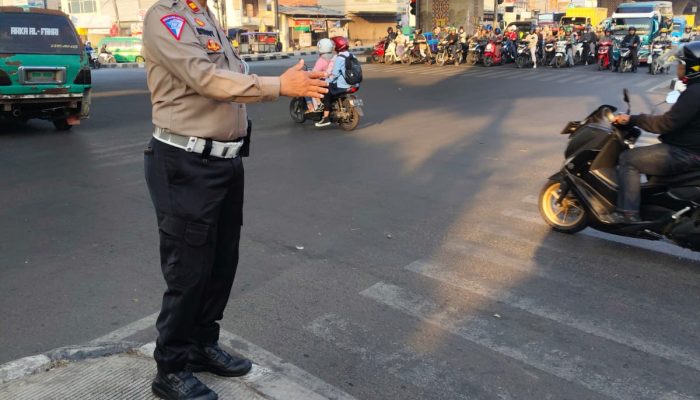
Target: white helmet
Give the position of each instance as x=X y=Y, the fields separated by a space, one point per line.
x=325 y=46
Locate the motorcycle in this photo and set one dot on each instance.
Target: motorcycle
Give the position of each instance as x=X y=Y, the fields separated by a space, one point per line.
x=346 y=110
x=491 y=54
x=625 y=59
x=378 y=52
x=93 y=59
x=475 y=53
x=106 y=58
x=657 y=62
x=446 y=54
x=524 y=57
x=584 y=192
x=578 y=51
x=588 y=55
x=604 y=55
x=414 y=55
x=394 y=54
x=549 y=51
x=509 y=52
x=560 y=57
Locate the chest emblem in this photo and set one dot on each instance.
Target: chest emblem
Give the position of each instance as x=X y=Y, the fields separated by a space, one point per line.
x=174 y=23
x=193 y=6
x=199 y=22
x=212 y=45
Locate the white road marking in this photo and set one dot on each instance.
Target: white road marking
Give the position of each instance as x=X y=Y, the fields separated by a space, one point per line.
x=416 y=368
x=527 y=216
x=666 y=84
x=575 y=368
x=530 y=199
x=274 y=377
x=127 y=330
x=283 y=380
x=551 y=312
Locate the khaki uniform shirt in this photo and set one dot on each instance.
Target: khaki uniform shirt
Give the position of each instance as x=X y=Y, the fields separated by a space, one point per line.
x=197 y=81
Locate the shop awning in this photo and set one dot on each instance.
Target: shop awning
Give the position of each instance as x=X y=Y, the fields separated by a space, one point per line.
x=311 y=12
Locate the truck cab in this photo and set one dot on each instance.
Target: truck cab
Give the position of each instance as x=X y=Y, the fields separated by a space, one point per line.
x=44 y=69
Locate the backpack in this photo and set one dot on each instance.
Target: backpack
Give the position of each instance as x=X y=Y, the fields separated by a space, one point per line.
x=353 y=70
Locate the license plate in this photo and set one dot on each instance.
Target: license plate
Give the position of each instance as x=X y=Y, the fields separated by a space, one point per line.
x=42 y=76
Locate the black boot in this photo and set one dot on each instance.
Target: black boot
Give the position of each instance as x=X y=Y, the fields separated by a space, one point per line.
x=181 y=386
x=215 y=360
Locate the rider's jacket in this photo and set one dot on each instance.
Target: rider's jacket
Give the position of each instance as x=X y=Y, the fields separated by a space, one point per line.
x=680 y=126
x=631 y=41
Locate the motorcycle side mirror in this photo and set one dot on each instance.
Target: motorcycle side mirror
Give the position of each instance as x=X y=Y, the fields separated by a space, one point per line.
x=672 y=97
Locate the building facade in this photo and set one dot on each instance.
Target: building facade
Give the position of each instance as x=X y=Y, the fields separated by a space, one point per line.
x=443 y=13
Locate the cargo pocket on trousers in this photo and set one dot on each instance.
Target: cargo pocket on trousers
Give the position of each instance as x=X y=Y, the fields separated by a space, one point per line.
x=181 y=251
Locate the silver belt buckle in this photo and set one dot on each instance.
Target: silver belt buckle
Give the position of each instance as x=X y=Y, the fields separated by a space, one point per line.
x=190 y=144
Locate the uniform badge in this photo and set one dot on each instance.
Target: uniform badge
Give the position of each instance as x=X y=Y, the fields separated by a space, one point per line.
x=174 y=23
x=212 y=45
x=199 y=22
x=193 y=6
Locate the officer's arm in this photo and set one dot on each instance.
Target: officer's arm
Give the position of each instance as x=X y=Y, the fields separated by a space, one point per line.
x=187 y=59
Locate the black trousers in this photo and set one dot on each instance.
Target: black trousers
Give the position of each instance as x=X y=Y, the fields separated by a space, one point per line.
x=199 y=208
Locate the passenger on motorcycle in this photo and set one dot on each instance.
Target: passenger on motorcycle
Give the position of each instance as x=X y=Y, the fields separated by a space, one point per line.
x=337 y=83
x=323 y=64
x=632 y=41
x=679 y=150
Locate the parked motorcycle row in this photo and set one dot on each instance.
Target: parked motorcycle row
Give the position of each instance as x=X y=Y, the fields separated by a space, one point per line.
x=606 y=54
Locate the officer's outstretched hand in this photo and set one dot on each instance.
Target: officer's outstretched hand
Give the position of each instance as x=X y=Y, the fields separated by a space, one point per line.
x=295 y=82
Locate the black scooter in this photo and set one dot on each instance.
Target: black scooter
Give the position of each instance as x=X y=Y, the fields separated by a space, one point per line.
x=584 y=192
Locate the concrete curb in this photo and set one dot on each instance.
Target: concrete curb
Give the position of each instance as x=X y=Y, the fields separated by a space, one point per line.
x=245 y=57
x=18 y=369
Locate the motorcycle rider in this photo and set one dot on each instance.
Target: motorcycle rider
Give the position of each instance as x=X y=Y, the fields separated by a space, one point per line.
x=607 y=36
x=687 y=35
x=463 y=38
x=390 y=36
x=452 y=41
x=679 y=150
x=420 y=41
x=592 y=39
x=632 y=41
x=338 y=85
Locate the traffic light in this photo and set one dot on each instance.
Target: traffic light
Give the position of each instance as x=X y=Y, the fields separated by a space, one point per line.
x=413 y=7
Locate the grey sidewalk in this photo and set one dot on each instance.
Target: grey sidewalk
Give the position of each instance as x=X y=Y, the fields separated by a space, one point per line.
x=124 y=371
x=249 y=57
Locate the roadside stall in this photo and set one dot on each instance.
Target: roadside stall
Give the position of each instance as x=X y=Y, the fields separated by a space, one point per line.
x=257 y=42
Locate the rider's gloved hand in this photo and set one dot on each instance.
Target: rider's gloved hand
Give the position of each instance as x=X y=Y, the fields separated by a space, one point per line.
x=622 y=119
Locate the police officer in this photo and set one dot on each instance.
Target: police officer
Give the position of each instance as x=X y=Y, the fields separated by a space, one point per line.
x=199 y=87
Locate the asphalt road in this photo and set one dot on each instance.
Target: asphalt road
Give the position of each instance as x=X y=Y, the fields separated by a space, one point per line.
x=405 y=260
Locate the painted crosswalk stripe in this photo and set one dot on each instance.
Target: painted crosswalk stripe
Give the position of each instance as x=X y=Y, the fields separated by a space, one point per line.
x=400 y=360
x=579 y=367
x=549 y=78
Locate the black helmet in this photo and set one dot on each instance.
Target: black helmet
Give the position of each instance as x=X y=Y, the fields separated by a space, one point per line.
x=689 y=54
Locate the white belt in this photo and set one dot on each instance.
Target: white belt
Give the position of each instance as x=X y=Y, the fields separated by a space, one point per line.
x=193 y=144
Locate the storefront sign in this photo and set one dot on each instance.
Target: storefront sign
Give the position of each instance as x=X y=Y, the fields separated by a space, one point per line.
x=318 y=25
x=302 y=22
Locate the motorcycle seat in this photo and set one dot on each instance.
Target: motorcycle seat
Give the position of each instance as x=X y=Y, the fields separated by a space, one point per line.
x=690 y=178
